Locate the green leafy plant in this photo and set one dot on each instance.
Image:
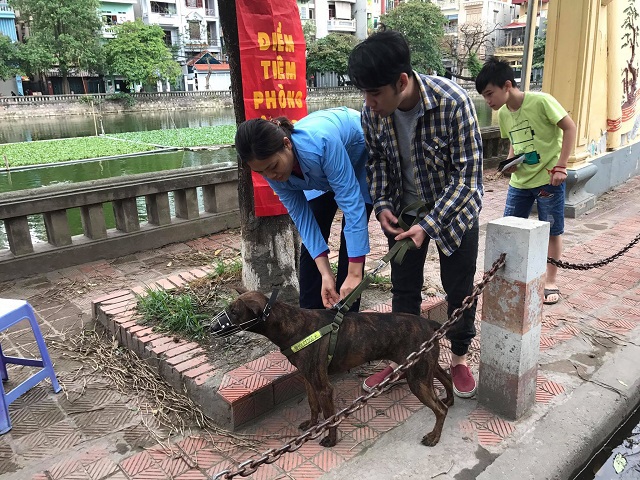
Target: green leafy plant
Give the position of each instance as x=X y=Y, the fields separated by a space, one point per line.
x=139 y=53
x=52 y=151
x=122 y=97
x=172 y=313
x=184 y=137
x=63 y=34
x=422 y=24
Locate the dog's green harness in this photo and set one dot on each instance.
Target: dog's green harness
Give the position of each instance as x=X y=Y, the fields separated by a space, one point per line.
x=397 y=253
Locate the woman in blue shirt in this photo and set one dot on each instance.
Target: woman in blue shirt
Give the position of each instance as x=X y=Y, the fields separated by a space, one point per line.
x=315 y=167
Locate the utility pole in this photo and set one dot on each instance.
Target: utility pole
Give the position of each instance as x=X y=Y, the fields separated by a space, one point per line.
x=530 y=35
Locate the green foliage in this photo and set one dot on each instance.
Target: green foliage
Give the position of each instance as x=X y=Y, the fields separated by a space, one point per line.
x=122 y=97
x=9 y=58
x=184 y=137
x=422 y=24
x=539 y=47
x=139 y=54
x=66 y=149
x=309 y=32
x=51 y=151
x=62 y=33
x=330 y=53
x=172 y=313
x=474 y=65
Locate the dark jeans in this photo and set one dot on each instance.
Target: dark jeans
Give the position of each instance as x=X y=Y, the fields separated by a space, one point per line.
x=324 y=210
x=456 y=273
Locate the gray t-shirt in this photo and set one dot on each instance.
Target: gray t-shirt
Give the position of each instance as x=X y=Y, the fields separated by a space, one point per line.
x=405 y=126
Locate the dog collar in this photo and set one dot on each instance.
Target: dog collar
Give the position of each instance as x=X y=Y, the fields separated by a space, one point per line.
x=267 y=308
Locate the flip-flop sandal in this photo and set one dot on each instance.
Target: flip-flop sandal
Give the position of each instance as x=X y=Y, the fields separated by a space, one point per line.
x=551 y=291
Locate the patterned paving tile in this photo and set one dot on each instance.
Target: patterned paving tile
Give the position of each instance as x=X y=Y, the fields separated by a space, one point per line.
x=487 y=437
x=327 y=459
x=500 y=427
x=306 y=471
x=480 y=417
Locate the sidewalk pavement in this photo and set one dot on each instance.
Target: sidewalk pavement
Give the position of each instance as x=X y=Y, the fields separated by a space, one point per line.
x=589 y=380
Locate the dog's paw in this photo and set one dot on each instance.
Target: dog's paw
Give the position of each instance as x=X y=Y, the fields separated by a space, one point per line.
x=431 y=439
x=306 y=425
x=328 y=441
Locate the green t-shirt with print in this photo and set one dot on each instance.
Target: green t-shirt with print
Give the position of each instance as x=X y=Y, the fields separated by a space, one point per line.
x=533 y=131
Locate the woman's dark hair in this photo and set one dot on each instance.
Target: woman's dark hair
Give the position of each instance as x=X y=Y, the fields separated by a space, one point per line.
x=379 y=60
x=496 y=72
x=257 y=139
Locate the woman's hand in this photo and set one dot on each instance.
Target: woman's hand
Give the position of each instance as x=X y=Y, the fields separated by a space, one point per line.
x=328 y=292
x=352 y=281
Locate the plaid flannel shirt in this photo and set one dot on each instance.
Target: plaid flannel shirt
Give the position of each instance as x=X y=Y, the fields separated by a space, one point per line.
x=446 y=154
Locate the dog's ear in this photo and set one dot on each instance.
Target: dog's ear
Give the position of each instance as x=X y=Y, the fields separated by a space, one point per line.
x=247 y=308
x=240 y=289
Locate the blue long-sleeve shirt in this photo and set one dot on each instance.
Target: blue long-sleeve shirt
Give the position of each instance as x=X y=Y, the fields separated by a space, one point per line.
x=330 y=149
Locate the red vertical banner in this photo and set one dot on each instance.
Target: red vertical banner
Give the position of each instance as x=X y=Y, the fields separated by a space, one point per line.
x=272 y=55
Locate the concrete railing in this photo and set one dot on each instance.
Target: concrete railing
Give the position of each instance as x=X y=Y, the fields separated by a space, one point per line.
x=153 y=95
x=220 y=200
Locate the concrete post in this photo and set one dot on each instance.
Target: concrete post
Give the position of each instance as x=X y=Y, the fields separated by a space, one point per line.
x=158 y=211
x=57 y=226
x=220 y=197
x=512 y=315
x=125 y=212
x=93 y=223
x=186 y=202
x=18 y=234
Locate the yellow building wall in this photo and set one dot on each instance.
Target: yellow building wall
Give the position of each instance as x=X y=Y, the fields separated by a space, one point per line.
x=586 y=62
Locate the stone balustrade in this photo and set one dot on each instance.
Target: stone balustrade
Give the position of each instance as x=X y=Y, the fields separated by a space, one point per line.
x=46 y=99
x=220 y=202
x=219 y=190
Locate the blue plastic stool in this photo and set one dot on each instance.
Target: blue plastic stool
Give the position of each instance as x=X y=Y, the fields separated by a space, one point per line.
x=12 y=312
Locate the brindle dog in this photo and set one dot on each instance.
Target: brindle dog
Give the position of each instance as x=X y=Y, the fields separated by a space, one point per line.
x=363 y=337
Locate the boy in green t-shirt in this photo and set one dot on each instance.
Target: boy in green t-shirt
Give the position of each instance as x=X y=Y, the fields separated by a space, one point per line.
x=540 y=132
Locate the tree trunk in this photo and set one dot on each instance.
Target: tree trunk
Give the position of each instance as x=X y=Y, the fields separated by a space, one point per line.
x=461 y=77
x=65 y=83
x=270 y=245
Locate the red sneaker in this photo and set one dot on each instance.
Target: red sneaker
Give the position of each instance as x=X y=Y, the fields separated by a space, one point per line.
x=464 y=385
x=377 y=378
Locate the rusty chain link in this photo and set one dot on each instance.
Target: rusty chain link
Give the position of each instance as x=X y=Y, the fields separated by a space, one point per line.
x=599 y=263
x=272 y=455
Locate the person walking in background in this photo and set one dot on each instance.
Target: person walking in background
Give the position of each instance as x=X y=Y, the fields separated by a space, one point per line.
x=424 y=146
x=315 y=167
x=542 y=134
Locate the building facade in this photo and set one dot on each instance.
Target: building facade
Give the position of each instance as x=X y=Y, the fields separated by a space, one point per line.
x=8 y=28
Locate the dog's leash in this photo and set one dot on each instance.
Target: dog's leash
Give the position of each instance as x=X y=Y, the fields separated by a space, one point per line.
x=396 y=253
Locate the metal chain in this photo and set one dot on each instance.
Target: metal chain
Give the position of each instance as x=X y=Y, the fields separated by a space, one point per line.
x=272 y=455
x=599 y=263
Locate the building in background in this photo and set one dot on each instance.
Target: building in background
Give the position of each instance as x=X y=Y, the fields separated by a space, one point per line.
x=512 y=49
x=8 y=28
x=191 y=27
x=115 y=12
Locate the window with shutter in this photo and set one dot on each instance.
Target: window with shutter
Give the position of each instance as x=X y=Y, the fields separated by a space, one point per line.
x=194 y=30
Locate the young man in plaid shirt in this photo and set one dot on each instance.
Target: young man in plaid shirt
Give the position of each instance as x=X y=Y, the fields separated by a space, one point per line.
x=425 y=146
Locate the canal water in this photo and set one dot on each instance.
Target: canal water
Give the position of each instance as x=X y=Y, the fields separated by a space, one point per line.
x=619 y=459
x=43 y=128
